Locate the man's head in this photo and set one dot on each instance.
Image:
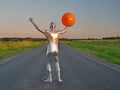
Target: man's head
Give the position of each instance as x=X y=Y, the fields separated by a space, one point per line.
x=52 y=25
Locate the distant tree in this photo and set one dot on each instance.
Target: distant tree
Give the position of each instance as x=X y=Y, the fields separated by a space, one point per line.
x=117 y=37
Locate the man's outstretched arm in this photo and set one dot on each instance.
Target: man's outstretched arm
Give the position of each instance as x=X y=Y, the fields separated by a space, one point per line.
x=36 y=26
x=64 y=30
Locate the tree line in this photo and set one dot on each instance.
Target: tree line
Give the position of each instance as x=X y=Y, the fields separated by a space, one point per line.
x=22 y=39
x=44 y=39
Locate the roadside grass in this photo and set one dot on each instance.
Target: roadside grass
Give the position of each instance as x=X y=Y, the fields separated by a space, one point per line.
x=106 y=50
x=12 y=48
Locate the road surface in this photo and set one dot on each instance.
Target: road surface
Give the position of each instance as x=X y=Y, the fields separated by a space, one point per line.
x=79 y=72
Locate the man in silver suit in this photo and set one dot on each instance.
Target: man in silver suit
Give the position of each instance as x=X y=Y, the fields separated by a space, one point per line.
x=52 y=37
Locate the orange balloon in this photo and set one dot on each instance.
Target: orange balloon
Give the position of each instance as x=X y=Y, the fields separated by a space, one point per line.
x=68 y=19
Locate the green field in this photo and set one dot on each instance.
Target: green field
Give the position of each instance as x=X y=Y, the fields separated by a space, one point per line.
x=12 y=48
x=107 y=50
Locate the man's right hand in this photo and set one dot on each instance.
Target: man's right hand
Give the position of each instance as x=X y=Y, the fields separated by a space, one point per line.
x=31 y=19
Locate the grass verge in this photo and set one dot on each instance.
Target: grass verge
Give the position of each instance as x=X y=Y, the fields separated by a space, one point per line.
x=107 y=50
x=12 y=48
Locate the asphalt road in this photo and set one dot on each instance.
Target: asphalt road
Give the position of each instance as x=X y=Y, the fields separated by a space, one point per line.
x=79 y=72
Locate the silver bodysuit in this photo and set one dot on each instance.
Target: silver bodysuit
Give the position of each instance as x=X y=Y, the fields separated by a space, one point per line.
x=52 y=45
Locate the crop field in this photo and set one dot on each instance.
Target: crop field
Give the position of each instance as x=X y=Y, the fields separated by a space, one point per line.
x=107 y=50
x=12 y=48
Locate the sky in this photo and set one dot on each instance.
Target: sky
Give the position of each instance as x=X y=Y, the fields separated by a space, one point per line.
x=94 y=18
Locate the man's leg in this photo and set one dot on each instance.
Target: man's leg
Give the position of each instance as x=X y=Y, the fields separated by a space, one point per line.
x=49 y=69
x=57 y=67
